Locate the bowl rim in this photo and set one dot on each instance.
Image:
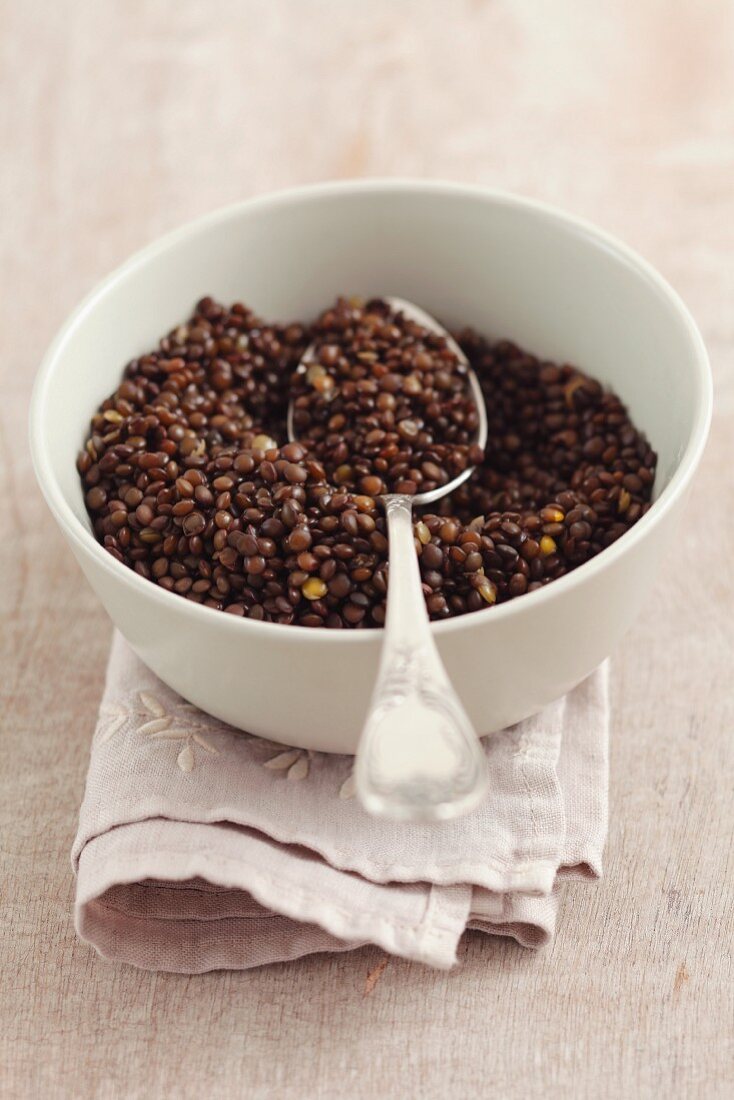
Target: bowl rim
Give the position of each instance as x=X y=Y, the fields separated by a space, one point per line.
x=81 y=537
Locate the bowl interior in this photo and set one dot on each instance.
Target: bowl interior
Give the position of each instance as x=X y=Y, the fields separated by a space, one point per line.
x=508 y=268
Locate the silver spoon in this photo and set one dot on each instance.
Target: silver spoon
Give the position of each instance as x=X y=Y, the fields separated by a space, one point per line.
x=419 y=757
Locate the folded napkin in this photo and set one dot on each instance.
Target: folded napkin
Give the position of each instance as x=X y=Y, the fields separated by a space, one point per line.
x=200 y=847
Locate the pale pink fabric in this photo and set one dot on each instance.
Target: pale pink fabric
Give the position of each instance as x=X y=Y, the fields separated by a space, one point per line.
x=200 y=847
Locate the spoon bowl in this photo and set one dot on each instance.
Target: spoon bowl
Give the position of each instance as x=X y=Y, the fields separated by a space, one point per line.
x=419 y=757
x=420 y=317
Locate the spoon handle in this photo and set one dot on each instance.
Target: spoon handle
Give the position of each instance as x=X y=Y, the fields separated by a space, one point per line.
x=419 y=757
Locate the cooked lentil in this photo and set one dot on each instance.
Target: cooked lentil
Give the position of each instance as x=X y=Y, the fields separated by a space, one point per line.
x=186 y=481
x=384 y=404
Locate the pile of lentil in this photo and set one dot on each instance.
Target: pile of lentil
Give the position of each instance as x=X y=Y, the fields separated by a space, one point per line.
x=189 y=480
x=384 y=404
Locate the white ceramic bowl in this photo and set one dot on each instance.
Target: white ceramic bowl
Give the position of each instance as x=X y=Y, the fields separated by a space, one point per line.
x=509 y=267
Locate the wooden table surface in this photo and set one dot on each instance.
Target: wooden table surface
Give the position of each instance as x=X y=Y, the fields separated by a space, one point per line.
x=120 y=120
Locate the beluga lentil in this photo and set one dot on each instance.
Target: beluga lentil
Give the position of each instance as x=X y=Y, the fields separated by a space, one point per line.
x=189 y=481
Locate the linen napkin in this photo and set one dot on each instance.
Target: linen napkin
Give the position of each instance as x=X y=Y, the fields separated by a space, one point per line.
x=200 y=847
